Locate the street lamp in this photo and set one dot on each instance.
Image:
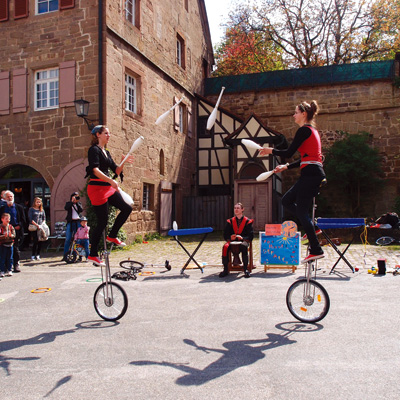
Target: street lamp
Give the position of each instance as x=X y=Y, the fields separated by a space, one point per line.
x=82 y=110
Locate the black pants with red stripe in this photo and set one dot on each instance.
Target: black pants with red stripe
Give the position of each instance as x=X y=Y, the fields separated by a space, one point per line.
x=298 y=200
x=101 y=212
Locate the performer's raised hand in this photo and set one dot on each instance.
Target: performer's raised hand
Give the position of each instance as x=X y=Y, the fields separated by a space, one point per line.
x=281 y=168
x=128 y=160
x=265 y=151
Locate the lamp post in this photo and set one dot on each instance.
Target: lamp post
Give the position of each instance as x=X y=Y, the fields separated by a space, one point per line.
x=82 y=110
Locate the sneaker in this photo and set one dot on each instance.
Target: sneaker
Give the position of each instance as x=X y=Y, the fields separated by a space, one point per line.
x=9 y=273
x=317 y=232
x=247 y=274
x=96 y=261
x=38 y=258
x=16 y=268
x=312 y=257
x=2 y=274
x=33 y=258
x=116 y=241
x=223 y=274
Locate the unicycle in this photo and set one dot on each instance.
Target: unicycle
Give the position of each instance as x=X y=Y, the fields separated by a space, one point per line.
x=306 y=299
x=110 y=299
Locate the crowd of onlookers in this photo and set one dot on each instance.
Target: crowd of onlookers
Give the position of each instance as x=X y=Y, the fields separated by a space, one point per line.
x=19 y=223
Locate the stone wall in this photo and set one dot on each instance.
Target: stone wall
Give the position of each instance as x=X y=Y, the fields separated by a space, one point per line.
x=50 y=139
x=365 y=106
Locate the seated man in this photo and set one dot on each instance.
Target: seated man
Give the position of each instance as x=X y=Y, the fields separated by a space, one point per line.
x=239 y=228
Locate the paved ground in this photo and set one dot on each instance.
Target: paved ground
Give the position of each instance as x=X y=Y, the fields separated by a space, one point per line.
x=199 y=336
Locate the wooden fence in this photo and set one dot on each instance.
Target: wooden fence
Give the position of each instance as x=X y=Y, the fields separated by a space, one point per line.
x=203 y=211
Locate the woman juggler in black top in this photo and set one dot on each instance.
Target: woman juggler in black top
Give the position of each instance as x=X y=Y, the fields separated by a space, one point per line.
x=103 y=190
x=298 y=198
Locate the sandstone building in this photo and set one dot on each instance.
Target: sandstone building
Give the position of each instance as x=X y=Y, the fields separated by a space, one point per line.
x=132 y=60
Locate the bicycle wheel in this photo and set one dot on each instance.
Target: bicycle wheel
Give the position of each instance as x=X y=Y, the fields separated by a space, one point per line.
x=384 y=241
x=311 y=307
x=110 y=301
x=70 y=258
x=130 y=264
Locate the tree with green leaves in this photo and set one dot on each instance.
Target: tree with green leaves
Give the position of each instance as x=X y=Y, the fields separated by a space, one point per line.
x=312 y=33
x=353 y=167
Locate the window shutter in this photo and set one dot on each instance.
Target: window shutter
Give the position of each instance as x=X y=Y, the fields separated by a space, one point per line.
x=21 y=9
x=19 y=90
x=4 y=93
x=4 y=10
x=67 y=83
x=190 y=122
x=176 y=115
x=65 y=4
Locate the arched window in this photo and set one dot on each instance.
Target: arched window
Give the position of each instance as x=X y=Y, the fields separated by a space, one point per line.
x=251 y=171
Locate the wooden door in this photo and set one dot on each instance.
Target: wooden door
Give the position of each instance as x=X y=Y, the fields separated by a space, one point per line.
x=256 y=198
x=166 y=206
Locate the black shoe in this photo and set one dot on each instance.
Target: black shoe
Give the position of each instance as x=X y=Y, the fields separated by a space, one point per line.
x=223 y=274
x=246 y=274
x=16 y=268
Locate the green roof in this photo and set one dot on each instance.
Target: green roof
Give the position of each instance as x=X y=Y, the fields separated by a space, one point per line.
x=316 y=76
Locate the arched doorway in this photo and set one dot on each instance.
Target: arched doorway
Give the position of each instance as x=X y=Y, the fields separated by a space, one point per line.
x=26 y=183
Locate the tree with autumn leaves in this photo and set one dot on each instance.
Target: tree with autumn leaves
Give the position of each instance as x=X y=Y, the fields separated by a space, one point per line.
x=269 y=35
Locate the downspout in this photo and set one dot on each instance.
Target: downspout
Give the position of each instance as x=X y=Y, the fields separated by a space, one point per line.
x=100 y=66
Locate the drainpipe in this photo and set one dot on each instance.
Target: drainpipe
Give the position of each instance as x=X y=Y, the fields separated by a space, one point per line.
x=100 y=66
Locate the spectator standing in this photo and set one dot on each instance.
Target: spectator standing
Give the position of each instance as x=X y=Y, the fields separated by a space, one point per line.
x=18 y=221
x=82 y=237
x=2 y=201
x=36 y=216
x=73 y=208
x=7 y=236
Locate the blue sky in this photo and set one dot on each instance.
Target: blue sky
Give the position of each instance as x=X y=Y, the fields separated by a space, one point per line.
x=217 y=12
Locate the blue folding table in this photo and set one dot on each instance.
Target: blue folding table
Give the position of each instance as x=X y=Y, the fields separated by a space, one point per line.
x=340 y=223
x=192 y=231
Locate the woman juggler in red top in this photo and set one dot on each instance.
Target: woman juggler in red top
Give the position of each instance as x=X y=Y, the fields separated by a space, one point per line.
x=103 y=190
x=298 y=198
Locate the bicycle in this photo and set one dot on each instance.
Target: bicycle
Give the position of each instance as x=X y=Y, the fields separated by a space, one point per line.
x=110 y=299
x=386 y=241
x=133 y=267
x=306 y=299
x=76 y=250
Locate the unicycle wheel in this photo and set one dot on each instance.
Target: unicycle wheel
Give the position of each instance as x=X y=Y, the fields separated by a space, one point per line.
x=110 y=301
x=307 y=301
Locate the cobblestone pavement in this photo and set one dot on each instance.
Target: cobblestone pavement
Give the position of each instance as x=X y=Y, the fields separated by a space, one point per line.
x=209 y=255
